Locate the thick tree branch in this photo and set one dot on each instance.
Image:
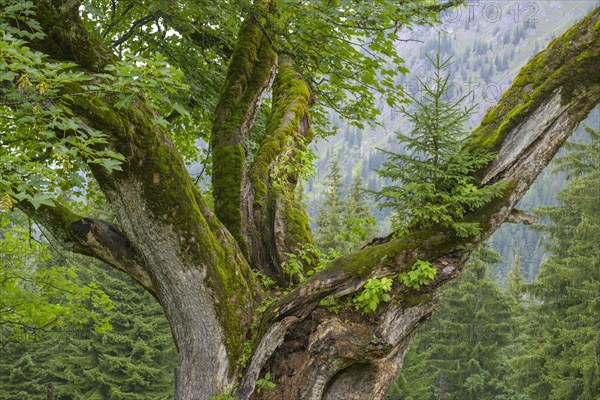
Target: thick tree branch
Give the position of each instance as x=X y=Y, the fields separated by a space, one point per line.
x=66 y=38
x=200 y=276
x=552 y=94
x=249 y=76
x=95 y=238
x=275 y=224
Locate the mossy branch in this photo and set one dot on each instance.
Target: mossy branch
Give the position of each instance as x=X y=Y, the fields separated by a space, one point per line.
x=288 y=125
x=249 y=75
x=95 y=238
x=276 y=169
x=569 y=63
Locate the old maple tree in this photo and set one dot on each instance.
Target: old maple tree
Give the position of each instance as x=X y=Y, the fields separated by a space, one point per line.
x=197 y=260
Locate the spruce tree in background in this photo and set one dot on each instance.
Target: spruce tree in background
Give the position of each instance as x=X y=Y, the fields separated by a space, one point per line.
x=518 y=301
x=38 y=294
x=344 y=222
x=432 y=182
x=133 y=361
x=360 y=223
x=330 y=221
x=461 y=354
x=560 y=361
x=515 y=281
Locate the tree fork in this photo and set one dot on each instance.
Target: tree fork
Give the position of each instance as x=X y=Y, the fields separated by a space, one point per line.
x=94 y=238
x=203 y=281
x=551 y=95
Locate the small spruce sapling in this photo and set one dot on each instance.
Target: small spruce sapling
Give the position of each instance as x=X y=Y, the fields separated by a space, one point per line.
x=433 y=182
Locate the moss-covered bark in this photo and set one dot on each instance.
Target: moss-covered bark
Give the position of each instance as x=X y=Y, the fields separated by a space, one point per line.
x=249 y=75
x=567 y=62
x=279 y=223
x=155 y=183
x=291 y=98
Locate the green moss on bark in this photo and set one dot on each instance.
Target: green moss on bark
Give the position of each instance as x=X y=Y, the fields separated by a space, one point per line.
x=298 y=231
x=248 y=75
x=172 y=198
x=275 y=170
x=577 y=54
x=226 y=182
x=291 y=97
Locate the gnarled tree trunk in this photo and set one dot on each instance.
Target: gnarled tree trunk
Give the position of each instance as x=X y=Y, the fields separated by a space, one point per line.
x=199 y=265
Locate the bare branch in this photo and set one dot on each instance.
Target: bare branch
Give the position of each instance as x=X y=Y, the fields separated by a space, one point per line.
x=518 y=216
x=95 y=238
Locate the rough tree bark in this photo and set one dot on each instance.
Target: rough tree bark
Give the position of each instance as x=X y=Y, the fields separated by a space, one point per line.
x=198 y=265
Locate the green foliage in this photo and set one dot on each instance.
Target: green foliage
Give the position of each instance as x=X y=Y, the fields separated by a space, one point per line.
x=301 y=265
x=127 y=79
x=433 y=182
x=374 y=292
x=535 y=341
x=266 y=282
x=264 y=383
x=559 y=359
x=39 y=297
x=421 y=273
x=331 y=304
x=462 y=353
x=298 y=161
x=515 y=286
x=294 y=267
x=133 y=361
x=43 y=140
x=347 y=51
x=196 y=37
